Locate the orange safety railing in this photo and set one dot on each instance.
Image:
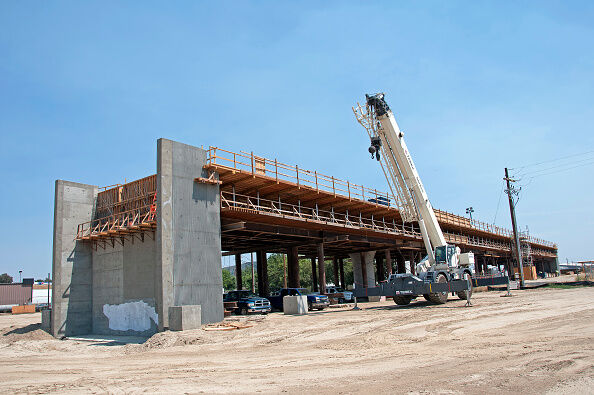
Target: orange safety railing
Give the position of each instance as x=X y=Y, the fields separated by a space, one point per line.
x=278 y=208
x=134 y=219
x=257 y=165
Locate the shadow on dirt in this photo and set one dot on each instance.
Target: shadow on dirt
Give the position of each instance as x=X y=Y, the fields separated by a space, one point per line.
x=23 y=330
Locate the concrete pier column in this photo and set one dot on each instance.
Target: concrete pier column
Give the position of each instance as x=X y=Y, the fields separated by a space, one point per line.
x=293 y=268
x=363 y=269
x=72 y=296
x=259 y=275
x=341 y=267
x=363 y=272
x=400 y=267
x=335 y=271
x=413 y=264
x=238 y=278
x=188 y=235
x=263 y=288
x=314 y=274
x=321 y=269
x=388 y=263
x=379 y=262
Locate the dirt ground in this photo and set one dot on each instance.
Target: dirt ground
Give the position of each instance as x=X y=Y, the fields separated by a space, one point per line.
x=538 y=341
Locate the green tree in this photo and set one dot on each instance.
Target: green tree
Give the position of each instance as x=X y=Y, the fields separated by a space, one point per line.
x=246 y=278
x=276 y=272
x=349 y=278
x=228 y=280
x=5 y=278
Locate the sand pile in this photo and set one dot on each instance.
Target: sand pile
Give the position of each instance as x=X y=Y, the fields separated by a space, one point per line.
x=30 y=332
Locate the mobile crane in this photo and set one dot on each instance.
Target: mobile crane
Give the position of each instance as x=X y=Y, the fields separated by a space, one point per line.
x=445 y=269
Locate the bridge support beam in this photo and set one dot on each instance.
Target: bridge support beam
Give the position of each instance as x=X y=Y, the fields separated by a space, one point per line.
x=314 y=274
x=363 y=272
x=293 y=267
x=238 y=278
x=388 y=263
x=341 y=267
x=321 y=269
x=335 y=271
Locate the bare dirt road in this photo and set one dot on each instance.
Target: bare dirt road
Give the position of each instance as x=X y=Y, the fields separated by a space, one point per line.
x=538 y=341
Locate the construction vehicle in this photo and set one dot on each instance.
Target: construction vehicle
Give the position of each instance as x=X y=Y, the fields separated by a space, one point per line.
x=445 y=269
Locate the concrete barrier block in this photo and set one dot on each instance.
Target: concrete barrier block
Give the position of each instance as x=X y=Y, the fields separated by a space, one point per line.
x=46 y=320
x=295 y=304
x=182 y=318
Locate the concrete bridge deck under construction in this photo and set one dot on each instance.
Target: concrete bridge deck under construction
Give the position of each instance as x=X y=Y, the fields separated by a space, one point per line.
x=157 y=242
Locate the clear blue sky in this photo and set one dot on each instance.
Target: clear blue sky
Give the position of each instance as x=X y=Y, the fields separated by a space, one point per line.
x=88 y=87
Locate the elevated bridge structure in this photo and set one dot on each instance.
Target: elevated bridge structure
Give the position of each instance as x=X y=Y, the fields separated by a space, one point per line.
x=168 y=231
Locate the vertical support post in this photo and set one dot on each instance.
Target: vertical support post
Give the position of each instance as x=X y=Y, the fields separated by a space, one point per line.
x=238 y=278
x=260 y=264
x=284 y=270
x=253 y=274
x=335 y=268
x=293 y=269
x=314 y=274
x=400 y=262
x=341 y=266
x=321 y=269
x=265 y=290
x=364 y=269
x=413 y=264
x=379 y=262
x=388 y=263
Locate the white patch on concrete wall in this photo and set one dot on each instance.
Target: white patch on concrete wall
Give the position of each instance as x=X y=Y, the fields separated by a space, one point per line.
x=135 y=316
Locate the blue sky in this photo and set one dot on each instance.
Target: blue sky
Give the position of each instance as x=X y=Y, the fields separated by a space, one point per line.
x=88 y=87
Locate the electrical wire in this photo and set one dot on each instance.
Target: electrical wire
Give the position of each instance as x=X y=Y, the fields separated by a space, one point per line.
x=499 y=201
x=551 y=160
x=556 y=167
x=561 y=170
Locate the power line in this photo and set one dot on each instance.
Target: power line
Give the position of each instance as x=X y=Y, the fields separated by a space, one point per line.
x=551 y=160
x=561 y=170
x=556 y=167
x=499 y=201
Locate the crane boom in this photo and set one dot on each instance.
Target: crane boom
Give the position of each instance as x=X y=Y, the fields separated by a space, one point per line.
x=391 y=151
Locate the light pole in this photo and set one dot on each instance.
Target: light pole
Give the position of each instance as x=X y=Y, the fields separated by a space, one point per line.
x=469 y=211
x=20 y=276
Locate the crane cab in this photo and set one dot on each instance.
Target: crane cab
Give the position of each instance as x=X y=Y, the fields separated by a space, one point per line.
x=446 y=255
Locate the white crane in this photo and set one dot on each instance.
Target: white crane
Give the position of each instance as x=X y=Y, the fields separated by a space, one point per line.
x=444 y=261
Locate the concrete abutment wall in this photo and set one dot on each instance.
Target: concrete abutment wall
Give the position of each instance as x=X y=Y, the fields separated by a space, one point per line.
x=127 y=286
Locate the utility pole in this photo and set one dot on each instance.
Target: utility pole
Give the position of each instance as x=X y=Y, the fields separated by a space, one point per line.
x=512 y=209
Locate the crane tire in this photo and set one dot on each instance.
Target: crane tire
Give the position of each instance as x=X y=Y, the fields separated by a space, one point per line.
x=402 y=300
x=439 y=297
x=462 y=294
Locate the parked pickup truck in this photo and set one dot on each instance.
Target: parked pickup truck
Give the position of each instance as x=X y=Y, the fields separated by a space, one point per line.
x=339 y=294
x=247 y=302
x=314 y=301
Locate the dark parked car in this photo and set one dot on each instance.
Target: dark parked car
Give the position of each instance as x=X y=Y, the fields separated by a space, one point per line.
x=247 y=302
x=314 y=301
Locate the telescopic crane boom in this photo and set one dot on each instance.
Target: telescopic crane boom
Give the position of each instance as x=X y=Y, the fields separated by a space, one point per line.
x=387 y=143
